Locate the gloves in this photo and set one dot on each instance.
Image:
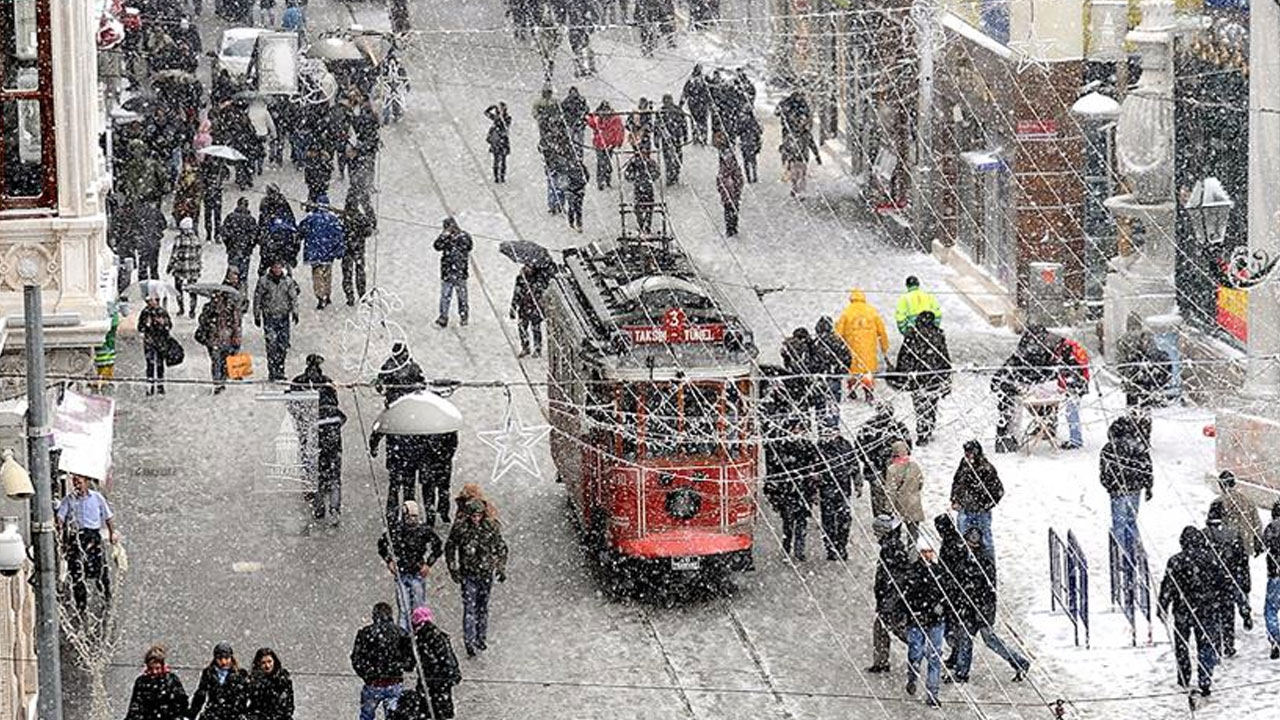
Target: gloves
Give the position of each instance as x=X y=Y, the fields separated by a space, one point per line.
x=502 y=577
x=1148 y=494
x=512 y=314
x=1247 y=618
x=295 y=318
x=257 y=321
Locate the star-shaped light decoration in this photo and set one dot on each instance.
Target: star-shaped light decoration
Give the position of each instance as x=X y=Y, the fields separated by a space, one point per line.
x=1033 y=51
x=515 y=444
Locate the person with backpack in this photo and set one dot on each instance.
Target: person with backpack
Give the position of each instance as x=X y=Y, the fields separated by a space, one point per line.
x=381 y=654
x=1073 y=379
x=1188 y=593
x=1228 y=549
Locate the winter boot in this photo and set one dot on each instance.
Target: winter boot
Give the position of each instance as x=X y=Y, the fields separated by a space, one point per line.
x=878 y=668
x=1275 y=652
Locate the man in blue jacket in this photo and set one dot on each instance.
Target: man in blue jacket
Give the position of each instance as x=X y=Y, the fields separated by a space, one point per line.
x=323 y=242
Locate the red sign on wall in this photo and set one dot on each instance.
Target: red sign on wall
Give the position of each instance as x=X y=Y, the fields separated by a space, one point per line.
x=674 y=330
x=1036 y=129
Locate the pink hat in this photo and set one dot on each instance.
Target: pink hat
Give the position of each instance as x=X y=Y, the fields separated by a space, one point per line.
x=422 y=615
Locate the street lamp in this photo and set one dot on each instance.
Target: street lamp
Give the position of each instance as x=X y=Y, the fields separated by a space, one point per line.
x=13 y=552
x=1209 y=207
x=15 y=479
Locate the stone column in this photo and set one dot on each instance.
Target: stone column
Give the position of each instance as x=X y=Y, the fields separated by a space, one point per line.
x=1263 y=378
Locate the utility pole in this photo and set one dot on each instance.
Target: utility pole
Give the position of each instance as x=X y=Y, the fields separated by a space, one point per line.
x=49 y=662
x=923 y=217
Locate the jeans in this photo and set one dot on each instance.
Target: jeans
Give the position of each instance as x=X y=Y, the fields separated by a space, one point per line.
x=1205 y=631
x=980 y=520
x=322 y=280
x=475 y=610
x=573 y=204
x=555 y=196
x=1271 y=611
x=149 y=264
x=499 y=167
x=411 y=593
x=275 y=329
x=1071 y=404
x=919 y=642
x=353 y=276
x=447 y=289
x=371 y=697
x=1124 y=526
x=155 y=366
x=218 y=364
x=963 y=644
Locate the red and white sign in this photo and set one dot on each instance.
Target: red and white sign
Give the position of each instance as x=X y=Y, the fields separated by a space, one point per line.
x=674 y=330
x=1036 y=129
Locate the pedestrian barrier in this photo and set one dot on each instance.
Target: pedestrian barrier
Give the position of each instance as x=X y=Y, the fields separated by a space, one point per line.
x=1131 y=585
x=1069 y=582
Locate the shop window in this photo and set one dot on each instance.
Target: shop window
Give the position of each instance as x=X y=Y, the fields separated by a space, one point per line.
x=28 y=172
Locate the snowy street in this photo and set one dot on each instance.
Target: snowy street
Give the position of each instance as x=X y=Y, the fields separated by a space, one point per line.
x=221 y=551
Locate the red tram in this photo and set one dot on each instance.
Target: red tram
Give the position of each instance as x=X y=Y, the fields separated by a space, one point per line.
x=653 y=390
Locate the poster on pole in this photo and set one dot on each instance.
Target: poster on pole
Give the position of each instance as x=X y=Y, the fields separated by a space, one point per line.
x=83 y=428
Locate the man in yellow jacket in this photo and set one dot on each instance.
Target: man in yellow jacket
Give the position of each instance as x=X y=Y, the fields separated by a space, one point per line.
x=913 y=302
x=862 y=329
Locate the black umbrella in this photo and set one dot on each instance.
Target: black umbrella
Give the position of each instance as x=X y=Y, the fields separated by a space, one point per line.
x=526 y=253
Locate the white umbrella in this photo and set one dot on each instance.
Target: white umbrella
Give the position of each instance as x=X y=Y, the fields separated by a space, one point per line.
x=226 y=152
x=420 y=413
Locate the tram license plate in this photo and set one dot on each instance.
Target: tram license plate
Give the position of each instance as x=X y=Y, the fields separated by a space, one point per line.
x=686 y=563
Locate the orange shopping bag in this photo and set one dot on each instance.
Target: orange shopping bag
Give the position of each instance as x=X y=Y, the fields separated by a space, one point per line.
x=239 y=366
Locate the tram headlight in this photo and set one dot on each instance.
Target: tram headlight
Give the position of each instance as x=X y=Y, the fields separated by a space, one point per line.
x=683 y=503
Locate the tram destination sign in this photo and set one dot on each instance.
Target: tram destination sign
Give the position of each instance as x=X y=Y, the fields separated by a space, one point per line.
x=675 y=329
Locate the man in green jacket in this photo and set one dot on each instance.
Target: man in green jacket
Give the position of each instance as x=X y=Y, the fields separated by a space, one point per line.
x=913 y=302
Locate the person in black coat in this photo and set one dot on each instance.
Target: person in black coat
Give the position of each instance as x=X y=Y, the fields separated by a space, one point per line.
x=499 y=139
x=381 y=654
x=270 y=688
x=526 y=307
x=1188 y=591
x=891 y=610
x=223 y=692
x=436 y=473
x=438 y=670
x=970 y=583
x=697 y=98
x=328 y=495
x=874 y=447
x=923 y=591
x=400 y=375
x=1124 y=469
x=976 y=490
x=274 y=206
x=790 y=487
x=642 y=171
x=797 y=357
x=673 y=133
x=1032 y=362
x=925 y=362
x=574 y=108
x=240 y=235
x=1227 y=550
x=831 y=361
x=838 y=469
x=157 y=692
x=454 y=245
x=358 y=225
x=750 y=142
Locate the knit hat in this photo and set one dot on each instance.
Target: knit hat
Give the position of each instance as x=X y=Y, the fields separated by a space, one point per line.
x=222 y=650
x=1227 y=478
x=913 y=281
x=422 y=615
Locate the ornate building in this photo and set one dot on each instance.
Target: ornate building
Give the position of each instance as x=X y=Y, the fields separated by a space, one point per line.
x=52 y=181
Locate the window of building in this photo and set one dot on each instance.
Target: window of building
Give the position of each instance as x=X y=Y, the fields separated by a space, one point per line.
x=28 y=168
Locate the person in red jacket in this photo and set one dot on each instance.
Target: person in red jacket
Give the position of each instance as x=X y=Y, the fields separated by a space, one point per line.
x=607 y=135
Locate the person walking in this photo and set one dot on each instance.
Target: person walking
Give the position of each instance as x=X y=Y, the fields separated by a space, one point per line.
x=186 y=262
x=270 y=688
x=81 y=517
x=862 y=330
x=454 y=245
x=381 y=654
x=239 y=236
x=838 y=482
x=157 y=693
x=873 y=446
x=1187 y=591
x=358 y=225
x=526 y=308
x=155 y=325
x=673 y=133
x=791 y=486
x=1124 y=469
x=274 y=206
x=975 y=491
x=499 y=139
x=892 y=570
x=323 y=242
x=729 y=184
x=1271 y=606
x=476 y=554
x=642 y=172
x=317 y=168
x=1144 y=367
x=607 y=135
x=750 y=142
x=279 y=243
x=223 y=692
x=926 y=620
x=218 y=329
x=146 y=229
x=1240 y=513
x=904 y=481
x=924 y=369
x=697 y=98
x=574 y=185
x=435 y=457
x=1227 y=550
x=574 y=109
x=327 y=500
x=831 y=359
x=969 y=580
x=213 y=174
x=187 y=190
x=399 y=375
x=275 y=310
x=438 y=670
x=913 y=302
x=409 y=549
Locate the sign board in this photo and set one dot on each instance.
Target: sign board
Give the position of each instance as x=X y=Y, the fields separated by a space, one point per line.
x=83 y=427
x=674 y=330
x=1233 y=312
x=277 y=63
x=1031 y=129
